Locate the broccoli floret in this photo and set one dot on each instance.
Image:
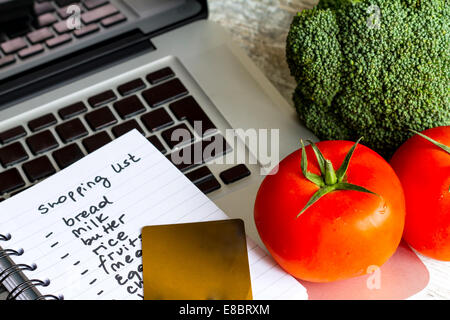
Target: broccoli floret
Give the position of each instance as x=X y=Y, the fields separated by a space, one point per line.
x=372 y=68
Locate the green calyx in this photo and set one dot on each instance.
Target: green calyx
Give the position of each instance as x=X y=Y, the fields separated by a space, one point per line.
x=438 y=144
x=330 y=174
x=329 y=180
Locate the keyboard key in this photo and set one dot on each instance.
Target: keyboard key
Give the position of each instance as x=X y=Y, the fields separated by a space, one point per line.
x=62 y=27
x=221 y=147
x=64 y=14
x=12 y=134
x=165 y=92
x=199 y=175
x=195 y=154
x=30 y=51
x=235 y=174
x=42 y=142
x=38 y=169
x=68 y=155
x=180 y=163
x=45 y=20
x=157 y=120
x=6 y=61
x=157 y=143
x=98 y=14
x=131 y=87
x=96 y=141
x=84 y=31
x=72 y=110
x=43 y=7
x=177 y=135
x=102 y=98
x=188 y=109
x=62 y=3
x=208 y=186
x=17 y=28
x=129 y=107
x=71 y=130
x=100 y=119
x=39 y=35
x=10 y=180
x=13 y=45
x=60 y=40
x=92 y=4
x=126 y=127
x=112 y=21
x=160 y=75
x=42 y=122
x=12 y=154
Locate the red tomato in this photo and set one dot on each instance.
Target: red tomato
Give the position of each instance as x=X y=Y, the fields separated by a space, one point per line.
x=424 y=170
x=344 y=232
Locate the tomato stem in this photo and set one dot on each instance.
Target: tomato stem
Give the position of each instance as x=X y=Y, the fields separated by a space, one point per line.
x=329 y=180
x=330 y=174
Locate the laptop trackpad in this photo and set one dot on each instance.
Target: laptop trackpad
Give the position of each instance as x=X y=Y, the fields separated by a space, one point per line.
x=146 y=8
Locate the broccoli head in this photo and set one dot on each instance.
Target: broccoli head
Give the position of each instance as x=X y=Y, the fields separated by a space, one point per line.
x=371 y=68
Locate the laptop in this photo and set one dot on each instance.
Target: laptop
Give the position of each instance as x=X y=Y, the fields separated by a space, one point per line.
x=74 y=75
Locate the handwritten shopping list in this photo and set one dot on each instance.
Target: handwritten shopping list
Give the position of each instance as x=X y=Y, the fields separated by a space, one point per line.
x=82 y=226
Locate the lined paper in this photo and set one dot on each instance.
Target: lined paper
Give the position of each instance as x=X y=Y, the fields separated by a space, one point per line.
x=81 y=227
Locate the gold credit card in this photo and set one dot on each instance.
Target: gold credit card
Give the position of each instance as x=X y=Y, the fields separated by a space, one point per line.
x=196 y=261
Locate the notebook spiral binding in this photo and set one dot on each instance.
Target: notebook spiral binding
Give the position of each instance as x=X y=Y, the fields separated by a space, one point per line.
x=26 y=284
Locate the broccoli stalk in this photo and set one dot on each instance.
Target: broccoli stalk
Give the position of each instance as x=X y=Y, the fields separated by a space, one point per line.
x=356 y=80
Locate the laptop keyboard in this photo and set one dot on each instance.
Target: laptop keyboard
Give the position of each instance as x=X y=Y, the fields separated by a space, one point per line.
x=155 y=105
x=47 y=28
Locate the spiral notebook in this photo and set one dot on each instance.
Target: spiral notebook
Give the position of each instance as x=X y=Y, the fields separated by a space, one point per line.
x=76 y=235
